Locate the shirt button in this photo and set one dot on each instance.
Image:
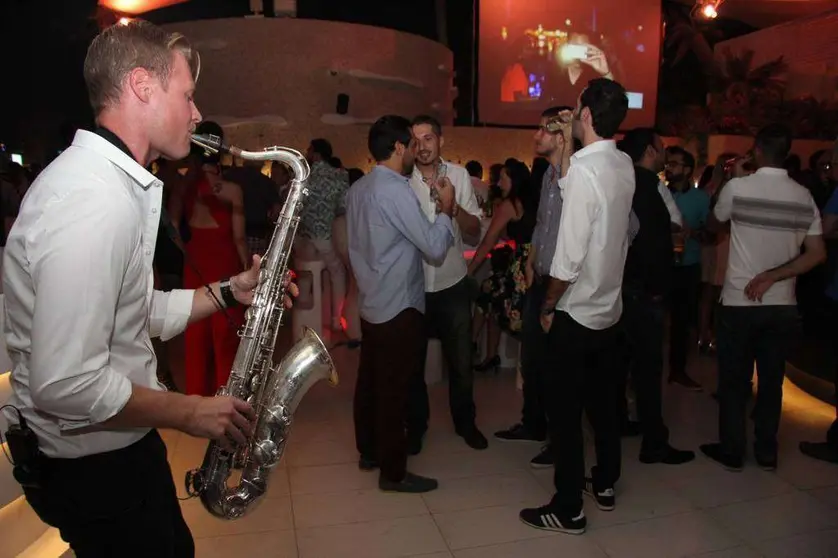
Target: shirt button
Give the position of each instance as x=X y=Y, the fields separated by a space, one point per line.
x=148 y=252
x=154 y=210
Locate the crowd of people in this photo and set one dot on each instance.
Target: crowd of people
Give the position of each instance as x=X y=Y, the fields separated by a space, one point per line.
x=603 y=240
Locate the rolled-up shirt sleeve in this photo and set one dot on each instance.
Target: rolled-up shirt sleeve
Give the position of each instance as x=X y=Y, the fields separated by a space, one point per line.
x=77 y=261
x=170 y=313
x=580 y=209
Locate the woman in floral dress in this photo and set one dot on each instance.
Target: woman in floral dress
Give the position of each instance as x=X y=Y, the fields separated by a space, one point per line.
x=501 y=296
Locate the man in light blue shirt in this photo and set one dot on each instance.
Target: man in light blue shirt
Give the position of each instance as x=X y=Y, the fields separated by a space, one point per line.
x=388 y=236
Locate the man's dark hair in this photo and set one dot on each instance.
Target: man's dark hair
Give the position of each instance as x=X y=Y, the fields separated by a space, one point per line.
x=474 y=169
x=635 y=142
x=385 y=134
x=555 y=111
x=428 y=119
x=686 y=156
x=774 y=141
x=608 y=103
x=323 y=148
x=336 y=162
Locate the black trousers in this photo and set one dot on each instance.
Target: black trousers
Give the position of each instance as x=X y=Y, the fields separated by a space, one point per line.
x=119 y=503
x=643 y=326
x=447 y=318
x=534 y=347
x=747 y=334
x=686 y=286
x=583 y=374
x=391 y=354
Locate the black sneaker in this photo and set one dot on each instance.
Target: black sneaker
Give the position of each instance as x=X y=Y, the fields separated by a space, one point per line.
x=519 y=433
x=413 y=484
x=604 y=498
x=729 y=462
x=667 y=455
x=474 y=438
x=367 y=463
x=547 y=519
x=544 y=459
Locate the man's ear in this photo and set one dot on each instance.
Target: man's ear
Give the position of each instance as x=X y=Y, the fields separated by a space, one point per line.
x=141 y=83
x=441 y=141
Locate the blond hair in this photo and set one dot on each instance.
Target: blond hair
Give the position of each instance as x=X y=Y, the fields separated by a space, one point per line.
x=119 y=49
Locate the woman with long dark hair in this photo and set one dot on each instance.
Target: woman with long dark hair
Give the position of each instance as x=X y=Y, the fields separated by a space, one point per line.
x=501 y=296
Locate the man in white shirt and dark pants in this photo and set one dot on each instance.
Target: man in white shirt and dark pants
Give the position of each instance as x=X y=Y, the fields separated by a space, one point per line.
x=447 y=293
x=80 y=312
x=770 y=216
x=582 y=310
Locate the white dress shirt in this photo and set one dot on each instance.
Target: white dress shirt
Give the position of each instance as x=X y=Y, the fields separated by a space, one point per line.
x=671 y=205
x=442 y=275
x=770 y=216
x=80 y=307
x=593 y=234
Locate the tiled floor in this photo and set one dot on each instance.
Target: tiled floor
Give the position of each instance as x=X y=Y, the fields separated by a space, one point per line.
x=321 y=506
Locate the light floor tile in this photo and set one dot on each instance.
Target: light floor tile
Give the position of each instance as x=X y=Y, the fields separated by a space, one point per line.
x=668 y=537
x=780 y=516
x=409 y=536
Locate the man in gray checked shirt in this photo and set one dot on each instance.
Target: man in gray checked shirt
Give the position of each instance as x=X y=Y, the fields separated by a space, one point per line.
x=557 y=149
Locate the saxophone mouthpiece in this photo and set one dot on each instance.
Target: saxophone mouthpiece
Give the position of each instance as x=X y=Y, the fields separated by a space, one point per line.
x=211 y=144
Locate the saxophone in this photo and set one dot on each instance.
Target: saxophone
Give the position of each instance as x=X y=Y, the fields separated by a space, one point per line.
x=274 y=391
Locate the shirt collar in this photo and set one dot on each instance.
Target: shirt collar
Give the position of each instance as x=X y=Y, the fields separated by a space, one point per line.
x=386 y=170
x=102 y=142
x=602 y=145
x=772 y=171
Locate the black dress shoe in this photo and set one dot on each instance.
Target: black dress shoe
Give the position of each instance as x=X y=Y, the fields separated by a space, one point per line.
x=413 y=484
x=667 y=455
x=474 y=438
x=716 y=454
x=821 y=451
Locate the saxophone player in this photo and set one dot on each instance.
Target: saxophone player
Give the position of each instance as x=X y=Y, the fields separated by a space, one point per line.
x=388 y=236
x=80 y=311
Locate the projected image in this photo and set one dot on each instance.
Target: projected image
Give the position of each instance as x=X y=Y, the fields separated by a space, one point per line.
x=539 y=53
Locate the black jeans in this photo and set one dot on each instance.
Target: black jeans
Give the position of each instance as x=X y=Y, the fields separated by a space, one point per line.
x=534 y=347
x=746 y=334
x=447 y=318
x=643 y=326
x=686 y=285
x=582 y=375
x=118 y=503
x=390 y=357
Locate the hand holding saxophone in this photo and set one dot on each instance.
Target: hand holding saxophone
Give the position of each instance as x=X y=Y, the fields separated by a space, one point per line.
x=244 y=285
x=226 y=420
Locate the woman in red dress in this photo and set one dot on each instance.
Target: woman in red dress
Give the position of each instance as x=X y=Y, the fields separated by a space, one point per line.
x=215 y=250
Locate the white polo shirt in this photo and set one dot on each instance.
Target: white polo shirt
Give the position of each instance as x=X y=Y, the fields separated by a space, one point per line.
x=79 y=301
x=447 y=273
x=593 y=234
x=770 y=215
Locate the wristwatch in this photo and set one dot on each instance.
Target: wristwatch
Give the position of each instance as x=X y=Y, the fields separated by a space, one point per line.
x=227 y=294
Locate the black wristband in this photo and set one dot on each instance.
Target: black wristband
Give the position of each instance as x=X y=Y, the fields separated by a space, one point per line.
x=227 y=294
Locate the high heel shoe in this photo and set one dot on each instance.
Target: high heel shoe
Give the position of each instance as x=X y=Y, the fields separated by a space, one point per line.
x=489 y=364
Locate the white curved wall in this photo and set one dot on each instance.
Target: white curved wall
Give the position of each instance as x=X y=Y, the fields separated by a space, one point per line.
x=295 y=68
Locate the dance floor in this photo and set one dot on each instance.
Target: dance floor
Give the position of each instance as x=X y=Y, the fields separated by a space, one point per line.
x=321 y=506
